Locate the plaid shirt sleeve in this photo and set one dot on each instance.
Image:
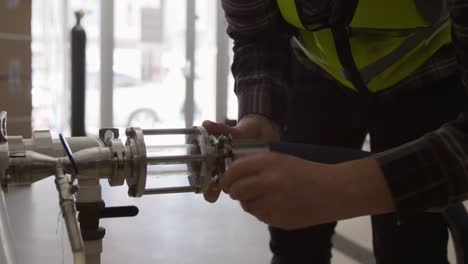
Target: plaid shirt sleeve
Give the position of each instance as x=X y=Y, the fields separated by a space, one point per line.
x=262 y=51
x=261 y=56
x=432 y=172
x=429 y=173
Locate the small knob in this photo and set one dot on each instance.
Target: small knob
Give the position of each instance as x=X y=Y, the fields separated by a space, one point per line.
x=108 y=133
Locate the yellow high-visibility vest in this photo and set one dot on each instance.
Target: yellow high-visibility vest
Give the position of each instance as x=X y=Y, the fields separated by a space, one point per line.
x=389 y=39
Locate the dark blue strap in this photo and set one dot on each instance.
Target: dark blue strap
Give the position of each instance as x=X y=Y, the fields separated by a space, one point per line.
x=323 y=154
x=69 y=153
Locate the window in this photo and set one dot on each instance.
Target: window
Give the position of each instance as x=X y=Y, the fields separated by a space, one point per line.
x=150 y=68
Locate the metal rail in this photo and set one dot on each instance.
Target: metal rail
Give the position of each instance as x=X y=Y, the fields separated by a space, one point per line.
x=178 y=131
x=174 y=159
x=185 y=189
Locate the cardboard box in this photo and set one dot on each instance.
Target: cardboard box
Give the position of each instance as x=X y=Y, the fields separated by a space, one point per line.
x=15 y=85
x=15 y=77
x=16 y=99
x=19 y=126
x=15 y=65
x=18 y=103
x=15 y=59
x=15 y=17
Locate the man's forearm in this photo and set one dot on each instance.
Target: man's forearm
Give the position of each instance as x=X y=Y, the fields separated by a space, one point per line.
x=358 y=188
x=365 y=188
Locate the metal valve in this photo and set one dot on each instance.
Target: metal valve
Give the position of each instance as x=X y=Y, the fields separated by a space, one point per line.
x=87 y=159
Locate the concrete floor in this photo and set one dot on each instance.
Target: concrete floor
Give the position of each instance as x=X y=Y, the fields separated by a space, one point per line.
x=170 y=229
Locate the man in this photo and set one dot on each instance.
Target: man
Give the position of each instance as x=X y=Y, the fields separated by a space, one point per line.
x=398 y=106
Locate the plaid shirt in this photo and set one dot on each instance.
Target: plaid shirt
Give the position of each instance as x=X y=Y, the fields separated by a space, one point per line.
x=429 y=173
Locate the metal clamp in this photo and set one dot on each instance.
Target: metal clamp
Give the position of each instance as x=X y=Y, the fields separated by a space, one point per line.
x=110 y=137
x=136 y=145
x=202 y=177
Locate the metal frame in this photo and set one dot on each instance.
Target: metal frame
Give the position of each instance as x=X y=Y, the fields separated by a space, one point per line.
x=64 y=118
x=107 y=50
x=222 y=65
x=107 y=62
x=190 y=45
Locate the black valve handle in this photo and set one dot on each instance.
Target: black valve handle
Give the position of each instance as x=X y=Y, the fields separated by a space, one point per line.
x=119 y=211
x=90 y=214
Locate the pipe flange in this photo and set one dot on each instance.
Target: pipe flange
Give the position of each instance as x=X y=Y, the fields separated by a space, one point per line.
x=136 y=179
x=202 y=176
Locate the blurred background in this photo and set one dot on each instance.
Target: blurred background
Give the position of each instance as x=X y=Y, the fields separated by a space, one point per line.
x=152 y=64
x=146 y=54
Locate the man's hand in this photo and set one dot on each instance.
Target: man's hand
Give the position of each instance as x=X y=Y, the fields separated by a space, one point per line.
x=249 y=127
x=288 y=192
x=278 y=189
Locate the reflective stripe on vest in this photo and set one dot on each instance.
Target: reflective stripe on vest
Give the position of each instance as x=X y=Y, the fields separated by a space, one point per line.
x=385 y=47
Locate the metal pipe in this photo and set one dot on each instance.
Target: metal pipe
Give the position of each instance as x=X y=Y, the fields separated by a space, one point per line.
x=190 y=47
x=178 y=131
x=222 y=65
x=67 y=206
x=245 y=147
x=174 y=159
x=185 y=189
x=107 y=62
x=30 y=167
